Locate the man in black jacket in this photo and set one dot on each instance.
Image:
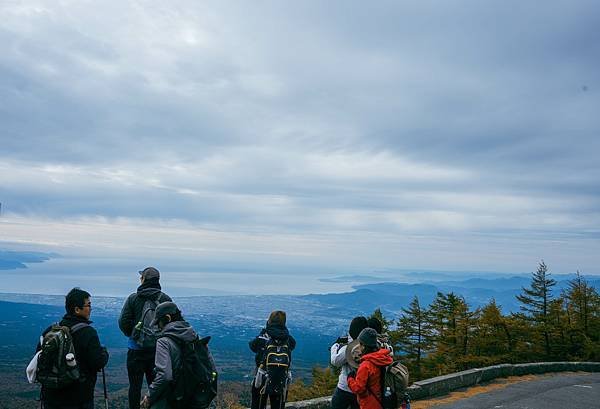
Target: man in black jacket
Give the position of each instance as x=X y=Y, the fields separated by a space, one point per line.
x=140 y=360
x=274 y=332
x=91 y=356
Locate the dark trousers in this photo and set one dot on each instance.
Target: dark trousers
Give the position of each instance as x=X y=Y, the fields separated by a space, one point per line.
x=139 y=363
x=87 y=405
x=343 y=400
x=260 y=401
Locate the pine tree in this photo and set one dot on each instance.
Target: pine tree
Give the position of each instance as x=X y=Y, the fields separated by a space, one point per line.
x=494 y=336
x=385 y=324
x=536 y=302
x=412 y=338
x=583 y=312
x=581 y=297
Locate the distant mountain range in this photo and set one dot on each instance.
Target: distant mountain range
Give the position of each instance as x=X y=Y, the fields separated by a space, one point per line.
x=316 y=320
x=391 y=297
x=10 y=260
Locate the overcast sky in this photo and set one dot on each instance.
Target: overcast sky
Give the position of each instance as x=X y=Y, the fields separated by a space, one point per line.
x=326 y=136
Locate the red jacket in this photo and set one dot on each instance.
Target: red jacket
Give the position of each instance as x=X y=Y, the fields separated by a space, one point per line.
x=367 y=383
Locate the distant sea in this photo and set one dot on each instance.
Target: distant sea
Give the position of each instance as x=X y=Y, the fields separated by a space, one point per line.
x=107 y=277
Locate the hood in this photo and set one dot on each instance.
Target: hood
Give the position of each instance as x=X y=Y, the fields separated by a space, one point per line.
x=70 y=320
x=379 y=358
x=277 y=331
x=180 y=329
x=150 y=289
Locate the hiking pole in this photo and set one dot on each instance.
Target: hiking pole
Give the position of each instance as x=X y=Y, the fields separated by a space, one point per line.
x=105 y=394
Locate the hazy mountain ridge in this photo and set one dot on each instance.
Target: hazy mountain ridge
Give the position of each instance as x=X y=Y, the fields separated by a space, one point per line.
x=315 y=319
x=12 y=260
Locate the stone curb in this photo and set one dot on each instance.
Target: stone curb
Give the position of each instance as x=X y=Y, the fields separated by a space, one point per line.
x=447 y=383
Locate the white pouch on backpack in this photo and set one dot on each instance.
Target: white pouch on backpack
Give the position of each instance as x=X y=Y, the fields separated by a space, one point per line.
x=31 y=370
x=260 y=379
x=32 y=367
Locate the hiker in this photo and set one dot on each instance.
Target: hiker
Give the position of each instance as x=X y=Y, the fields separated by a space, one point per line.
x=134 y=322
x=343 y=397
x=367 y=382
x=86 y=359
x=175 y=385
x=383 y=339
x=273 y=348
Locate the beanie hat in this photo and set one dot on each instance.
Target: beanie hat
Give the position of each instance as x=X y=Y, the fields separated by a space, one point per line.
x=277 y=318
x=375 y=324
x=356 y=326
x=368 y=337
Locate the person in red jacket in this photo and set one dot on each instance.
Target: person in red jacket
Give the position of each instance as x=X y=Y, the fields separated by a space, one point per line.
x=366 y=383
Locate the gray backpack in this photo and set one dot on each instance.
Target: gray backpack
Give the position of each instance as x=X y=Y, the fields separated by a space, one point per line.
x=144 y=333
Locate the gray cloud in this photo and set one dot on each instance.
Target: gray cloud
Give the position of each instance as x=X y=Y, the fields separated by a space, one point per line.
x=394 y=118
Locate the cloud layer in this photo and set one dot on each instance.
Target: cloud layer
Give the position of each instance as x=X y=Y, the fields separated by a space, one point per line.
x=471 y=126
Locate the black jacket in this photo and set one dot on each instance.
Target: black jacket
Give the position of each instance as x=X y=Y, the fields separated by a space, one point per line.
x=132 y=309
x=91 y=358
x=278 y=332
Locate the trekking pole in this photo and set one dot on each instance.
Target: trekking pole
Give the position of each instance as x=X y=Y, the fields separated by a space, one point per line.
x=105 y=394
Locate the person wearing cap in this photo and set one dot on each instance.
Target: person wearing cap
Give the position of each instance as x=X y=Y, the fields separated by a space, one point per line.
x=140 y=361
x=367 y=382
x=343 y=397
x=168 y=353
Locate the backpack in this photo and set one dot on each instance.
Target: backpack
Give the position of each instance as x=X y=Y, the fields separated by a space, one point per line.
x=276 y=363
x=395 y=382
x=57 y=365
x=144 y=333
x=195 y=381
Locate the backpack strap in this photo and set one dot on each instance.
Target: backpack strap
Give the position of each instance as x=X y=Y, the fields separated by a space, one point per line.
x=382 y=382
x=181 y=345
x=78 y=326
x=177 y=340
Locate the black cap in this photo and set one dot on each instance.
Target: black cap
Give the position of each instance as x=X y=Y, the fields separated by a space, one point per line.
x=149 y=272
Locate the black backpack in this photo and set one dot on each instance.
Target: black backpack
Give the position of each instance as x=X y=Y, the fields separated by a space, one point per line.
x=57 y=363
x=276 y=363
x=195 y=381
x=145 y=333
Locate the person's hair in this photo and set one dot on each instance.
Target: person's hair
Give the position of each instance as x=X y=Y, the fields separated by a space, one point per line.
x=375 y=324
x=75 y=298
x=277 y=317
x=368 y=349
x=357 y=325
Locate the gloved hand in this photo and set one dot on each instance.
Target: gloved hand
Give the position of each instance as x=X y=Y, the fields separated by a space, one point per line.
x=352 y=374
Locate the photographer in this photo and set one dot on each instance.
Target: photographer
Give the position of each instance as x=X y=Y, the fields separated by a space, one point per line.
x=343 y=397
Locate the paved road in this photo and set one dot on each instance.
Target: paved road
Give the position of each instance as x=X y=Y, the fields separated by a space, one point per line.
x=559 y=391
